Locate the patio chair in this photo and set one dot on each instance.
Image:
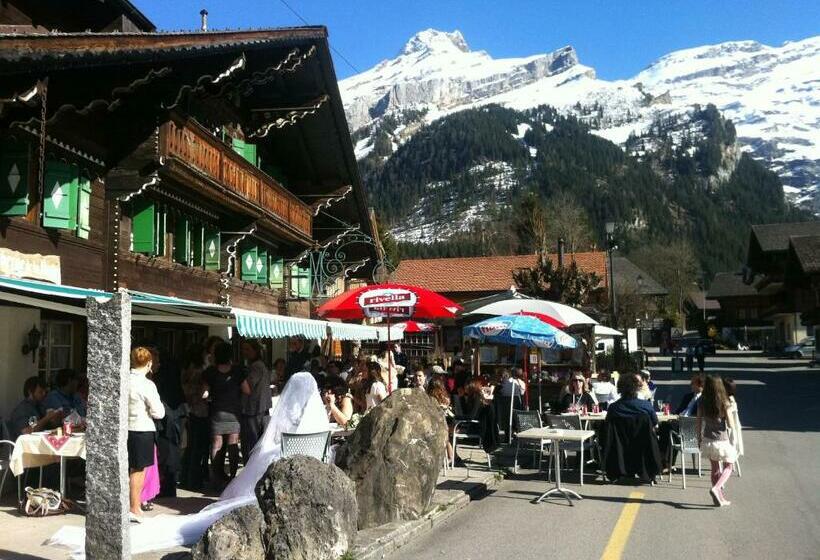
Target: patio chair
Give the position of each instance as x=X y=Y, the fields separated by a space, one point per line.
x=524 y=420
x=571 y=422
x=5 y=469
x=466 y=428
x=312 y=445
x=685 y=441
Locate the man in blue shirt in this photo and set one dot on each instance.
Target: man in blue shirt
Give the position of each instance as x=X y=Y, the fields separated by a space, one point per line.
x=629 y=405
x=28 y=415
x=65 y=396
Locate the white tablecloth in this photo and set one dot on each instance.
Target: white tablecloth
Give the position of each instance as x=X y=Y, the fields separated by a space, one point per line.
x=35 y=450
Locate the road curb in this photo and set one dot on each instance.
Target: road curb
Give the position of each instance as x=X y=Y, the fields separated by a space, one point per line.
x=378 y=542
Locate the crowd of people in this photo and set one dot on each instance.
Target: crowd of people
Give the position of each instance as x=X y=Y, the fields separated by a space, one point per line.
x=223 y=405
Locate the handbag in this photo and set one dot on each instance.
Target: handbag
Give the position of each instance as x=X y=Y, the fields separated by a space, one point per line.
x=43 y=501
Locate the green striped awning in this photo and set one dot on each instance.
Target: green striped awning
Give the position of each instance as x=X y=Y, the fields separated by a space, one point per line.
x=350 y=331
x=265 y=325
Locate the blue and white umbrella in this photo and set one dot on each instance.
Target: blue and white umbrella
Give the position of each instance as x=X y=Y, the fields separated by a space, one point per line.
x=520 y=330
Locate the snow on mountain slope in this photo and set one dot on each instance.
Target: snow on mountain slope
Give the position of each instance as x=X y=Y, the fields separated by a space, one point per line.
x=772 y=94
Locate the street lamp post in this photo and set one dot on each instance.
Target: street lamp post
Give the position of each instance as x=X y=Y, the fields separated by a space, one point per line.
x=639 y=279
x=610 y=231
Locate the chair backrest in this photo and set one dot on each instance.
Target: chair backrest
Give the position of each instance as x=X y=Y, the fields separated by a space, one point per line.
x=526 y=419
x=564 y=421
x=6 y=450
x=688 y=432
x=312 y=445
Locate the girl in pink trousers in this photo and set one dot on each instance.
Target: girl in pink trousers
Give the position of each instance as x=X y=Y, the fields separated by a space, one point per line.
x=713 y=426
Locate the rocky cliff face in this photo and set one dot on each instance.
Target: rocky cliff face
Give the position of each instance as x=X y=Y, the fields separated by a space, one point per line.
x=437 y=70
x=771 y=93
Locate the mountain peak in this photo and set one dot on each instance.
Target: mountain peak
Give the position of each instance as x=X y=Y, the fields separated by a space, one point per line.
x=433 y=40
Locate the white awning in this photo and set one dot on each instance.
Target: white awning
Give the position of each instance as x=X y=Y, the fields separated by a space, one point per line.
x=253 y=324
x=602 y=331
x=351 y=331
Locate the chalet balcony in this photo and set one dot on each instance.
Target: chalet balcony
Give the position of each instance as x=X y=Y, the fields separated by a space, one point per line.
x=195 y=146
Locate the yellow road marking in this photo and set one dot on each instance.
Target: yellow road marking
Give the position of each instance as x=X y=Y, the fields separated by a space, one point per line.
x=620 y=534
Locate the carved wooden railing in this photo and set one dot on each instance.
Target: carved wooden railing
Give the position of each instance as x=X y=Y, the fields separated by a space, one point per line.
x=192 y=144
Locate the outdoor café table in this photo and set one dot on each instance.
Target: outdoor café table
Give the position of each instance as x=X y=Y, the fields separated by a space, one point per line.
x=43 y=448
x=557 y=436
x=667 y=417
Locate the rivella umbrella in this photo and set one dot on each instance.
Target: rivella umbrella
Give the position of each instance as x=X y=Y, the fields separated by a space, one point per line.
x=556 y=314
x=389 y=301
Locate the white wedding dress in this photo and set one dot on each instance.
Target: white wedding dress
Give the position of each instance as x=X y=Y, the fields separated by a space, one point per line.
x=299 y=410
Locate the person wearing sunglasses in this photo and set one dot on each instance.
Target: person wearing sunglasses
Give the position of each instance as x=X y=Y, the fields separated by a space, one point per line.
x=577 y=395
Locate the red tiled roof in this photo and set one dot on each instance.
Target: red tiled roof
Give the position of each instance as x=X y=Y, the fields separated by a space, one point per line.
x=485 y=274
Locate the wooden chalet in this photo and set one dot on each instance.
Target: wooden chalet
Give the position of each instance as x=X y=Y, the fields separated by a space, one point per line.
x=200 y=165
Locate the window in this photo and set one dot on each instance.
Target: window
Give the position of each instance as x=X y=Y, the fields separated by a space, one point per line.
x=300 y=281
x=741 y=312
x=56 y=347
x=60 y=195
x=148 y=227
x=277 y=273
x=14 y=178
x=254 y=265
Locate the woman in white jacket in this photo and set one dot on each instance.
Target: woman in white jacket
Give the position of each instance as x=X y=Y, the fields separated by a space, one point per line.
x=144 y=406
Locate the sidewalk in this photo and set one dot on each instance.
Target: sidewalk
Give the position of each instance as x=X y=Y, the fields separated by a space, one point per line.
x=21 y=537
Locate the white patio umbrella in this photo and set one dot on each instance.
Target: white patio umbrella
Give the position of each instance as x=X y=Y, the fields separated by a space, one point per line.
x=602 y=331
x=557 y=314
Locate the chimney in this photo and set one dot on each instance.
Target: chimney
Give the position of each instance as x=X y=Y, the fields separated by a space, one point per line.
x=560 y=252
x=203 y=13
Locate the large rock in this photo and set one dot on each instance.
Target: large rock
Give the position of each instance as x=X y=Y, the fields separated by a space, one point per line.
x=394 y=456
x=238 y=535
x=309 y=509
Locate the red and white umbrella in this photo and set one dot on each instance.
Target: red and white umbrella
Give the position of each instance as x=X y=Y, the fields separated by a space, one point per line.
x=414 y=327
x=389 y=301
x=556 y=314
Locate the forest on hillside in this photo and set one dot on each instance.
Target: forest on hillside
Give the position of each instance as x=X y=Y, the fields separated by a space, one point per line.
x=684 y=180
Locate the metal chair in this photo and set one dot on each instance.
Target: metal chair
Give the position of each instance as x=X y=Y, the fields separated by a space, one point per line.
x=685 y=441
x=312 y=445
x=5 y=464
x=465 y=424
x=570 y=422
x=524 y=420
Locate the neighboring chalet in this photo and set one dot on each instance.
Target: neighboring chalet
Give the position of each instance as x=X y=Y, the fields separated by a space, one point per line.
x=466 y=278
x=205 y=166
x=778 y=292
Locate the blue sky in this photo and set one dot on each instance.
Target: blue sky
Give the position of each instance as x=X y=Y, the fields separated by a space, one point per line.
x=616 y=37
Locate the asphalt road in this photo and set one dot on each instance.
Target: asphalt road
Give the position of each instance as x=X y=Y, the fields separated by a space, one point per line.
x=776 y=503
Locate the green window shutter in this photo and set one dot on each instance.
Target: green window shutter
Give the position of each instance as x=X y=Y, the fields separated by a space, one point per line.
x=248 y=264
x=304 y=282
x=294 y=280
x=60 y=195
x=143 y=227
x=182 y=240
x=244 y=149
x=262 y=270
x=198 y=245
x=212 y=248
x=161 y=228
x=14 y=179
x=276 y=273
x=84 y=207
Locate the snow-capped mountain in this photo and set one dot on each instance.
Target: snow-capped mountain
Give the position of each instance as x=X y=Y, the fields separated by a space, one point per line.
x=772 y=94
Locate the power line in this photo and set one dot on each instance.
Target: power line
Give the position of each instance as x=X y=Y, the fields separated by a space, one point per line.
x=334 y=49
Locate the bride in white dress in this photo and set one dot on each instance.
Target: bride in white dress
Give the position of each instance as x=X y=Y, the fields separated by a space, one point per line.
x=299 y=410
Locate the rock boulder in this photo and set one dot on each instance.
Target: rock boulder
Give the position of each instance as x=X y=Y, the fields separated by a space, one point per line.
x=394 y=457
x=309 y=510
x=238 y=535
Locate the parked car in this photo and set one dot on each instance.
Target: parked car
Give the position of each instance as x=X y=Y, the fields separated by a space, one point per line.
x=803 y=349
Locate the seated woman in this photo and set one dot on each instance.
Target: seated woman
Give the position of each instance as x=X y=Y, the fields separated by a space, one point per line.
x=577 y=395
x=338 y=401
x=478 y=406
x=630 y=404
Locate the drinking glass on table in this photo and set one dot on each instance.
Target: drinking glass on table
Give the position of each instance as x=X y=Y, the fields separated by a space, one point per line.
x=32 y=422
x=660 y=405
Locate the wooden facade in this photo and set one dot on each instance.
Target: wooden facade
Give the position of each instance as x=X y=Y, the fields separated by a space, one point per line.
x=155 y=130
